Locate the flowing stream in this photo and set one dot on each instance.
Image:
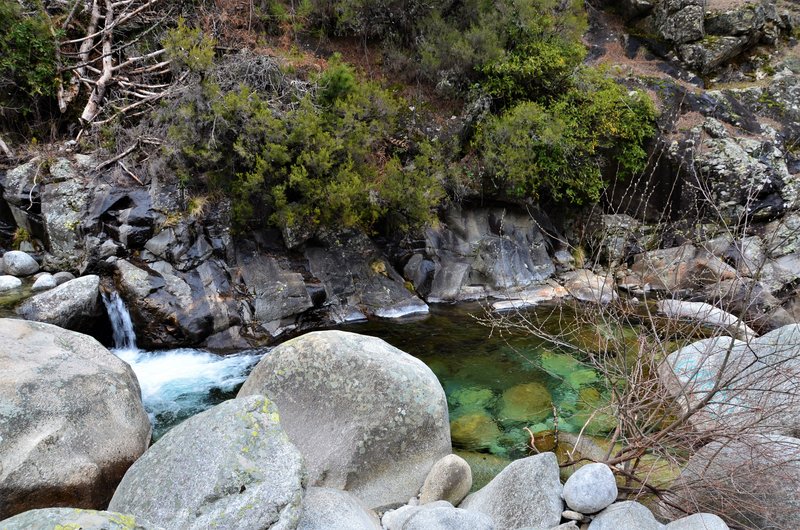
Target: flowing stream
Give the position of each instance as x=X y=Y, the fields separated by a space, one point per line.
x=496 y=387
x=176 y=384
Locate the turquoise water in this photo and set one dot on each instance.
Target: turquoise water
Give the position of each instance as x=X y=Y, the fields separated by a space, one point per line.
x=497 y=385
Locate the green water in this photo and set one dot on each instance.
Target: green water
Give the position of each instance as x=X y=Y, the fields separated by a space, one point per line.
x=9 y=300
x=496 y=386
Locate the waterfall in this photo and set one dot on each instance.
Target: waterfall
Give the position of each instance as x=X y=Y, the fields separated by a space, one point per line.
x=121 y=325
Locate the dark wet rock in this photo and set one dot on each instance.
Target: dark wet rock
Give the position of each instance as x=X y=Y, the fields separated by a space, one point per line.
x=279 y=295
x=172 y=308
x=712 y=52
x=358 y=278
x=21 y=192
x=320 y=382
x=72 y=305
x=68 y=518
x=231 y=466
x=485 y=252
x=71 y=419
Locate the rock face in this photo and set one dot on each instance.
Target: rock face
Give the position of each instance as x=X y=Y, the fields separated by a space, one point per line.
x=526 y=493
x=71 y=420
x=482 y=252
x=759 y=475
x=450 y=480
x=368 y=418
x=332 y=509
x=590 y=489
x=231 y=466
x=170 y=308
x=626 y=515
x=72 y=305
x=75 y=518
x=18 y=263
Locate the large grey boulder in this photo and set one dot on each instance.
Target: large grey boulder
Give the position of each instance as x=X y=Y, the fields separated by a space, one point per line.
x=526 y=493
x=72 y=518
x=74 y=305
x=333 y=509
x=231 y=466
x=626 y=515
x=368 y=418
x=8 y=283
x=484 y=252
x=698 y=521
x=71 y=418
x=18 y=263
x=590 y=489
x=449 y=480
x=751 y=480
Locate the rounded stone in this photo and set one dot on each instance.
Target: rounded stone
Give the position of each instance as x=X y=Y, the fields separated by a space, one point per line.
x=71 y=419
x=44 y=282
x=333 y=509
x=450 y=480
x=625 y=515
x=590 y=489
x=7 y=283
x=367 y=417
x=231 y=466
x=704 y=521
x=448 y=518
x=18 y=263
x=63 y=277
x=529 y=402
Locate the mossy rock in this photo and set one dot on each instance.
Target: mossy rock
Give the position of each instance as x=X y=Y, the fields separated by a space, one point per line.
x=472 y=398
x=474 y=430
x=530 y=403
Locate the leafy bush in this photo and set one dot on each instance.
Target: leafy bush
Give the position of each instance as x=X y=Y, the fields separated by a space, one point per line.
x=323 y=160
x=28 y=69
x=559 y=148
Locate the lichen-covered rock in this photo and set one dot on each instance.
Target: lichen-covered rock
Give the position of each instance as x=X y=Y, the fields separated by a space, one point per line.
x=231 y=466
x=333 y=509
x=72 y=305
x=626 y=515
x=526 y=493
x=72 y=518
x=18 y=263
x=368 y=418
x=679 y=21
x=71 y=419
x=590 y=489
x=449 y=480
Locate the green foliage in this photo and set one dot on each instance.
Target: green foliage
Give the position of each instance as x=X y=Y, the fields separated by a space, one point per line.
x=189 y=48
x=560 y=147
x=382 y=19
x=319 y=162
x=28 y=69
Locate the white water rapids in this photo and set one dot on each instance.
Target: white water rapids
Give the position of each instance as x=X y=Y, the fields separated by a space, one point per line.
x=179 y=383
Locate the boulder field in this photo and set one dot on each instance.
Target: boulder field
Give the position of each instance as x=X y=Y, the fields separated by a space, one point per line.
x=332 y=430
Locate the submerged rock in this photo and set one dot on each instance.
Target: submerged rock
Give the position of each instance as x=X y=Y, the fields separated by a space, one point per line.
x=526 y=493
x=69 y=518
x=368 y=418
x=474 y=430
x=231 y=466
x=71 y=419
x=529 y=402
